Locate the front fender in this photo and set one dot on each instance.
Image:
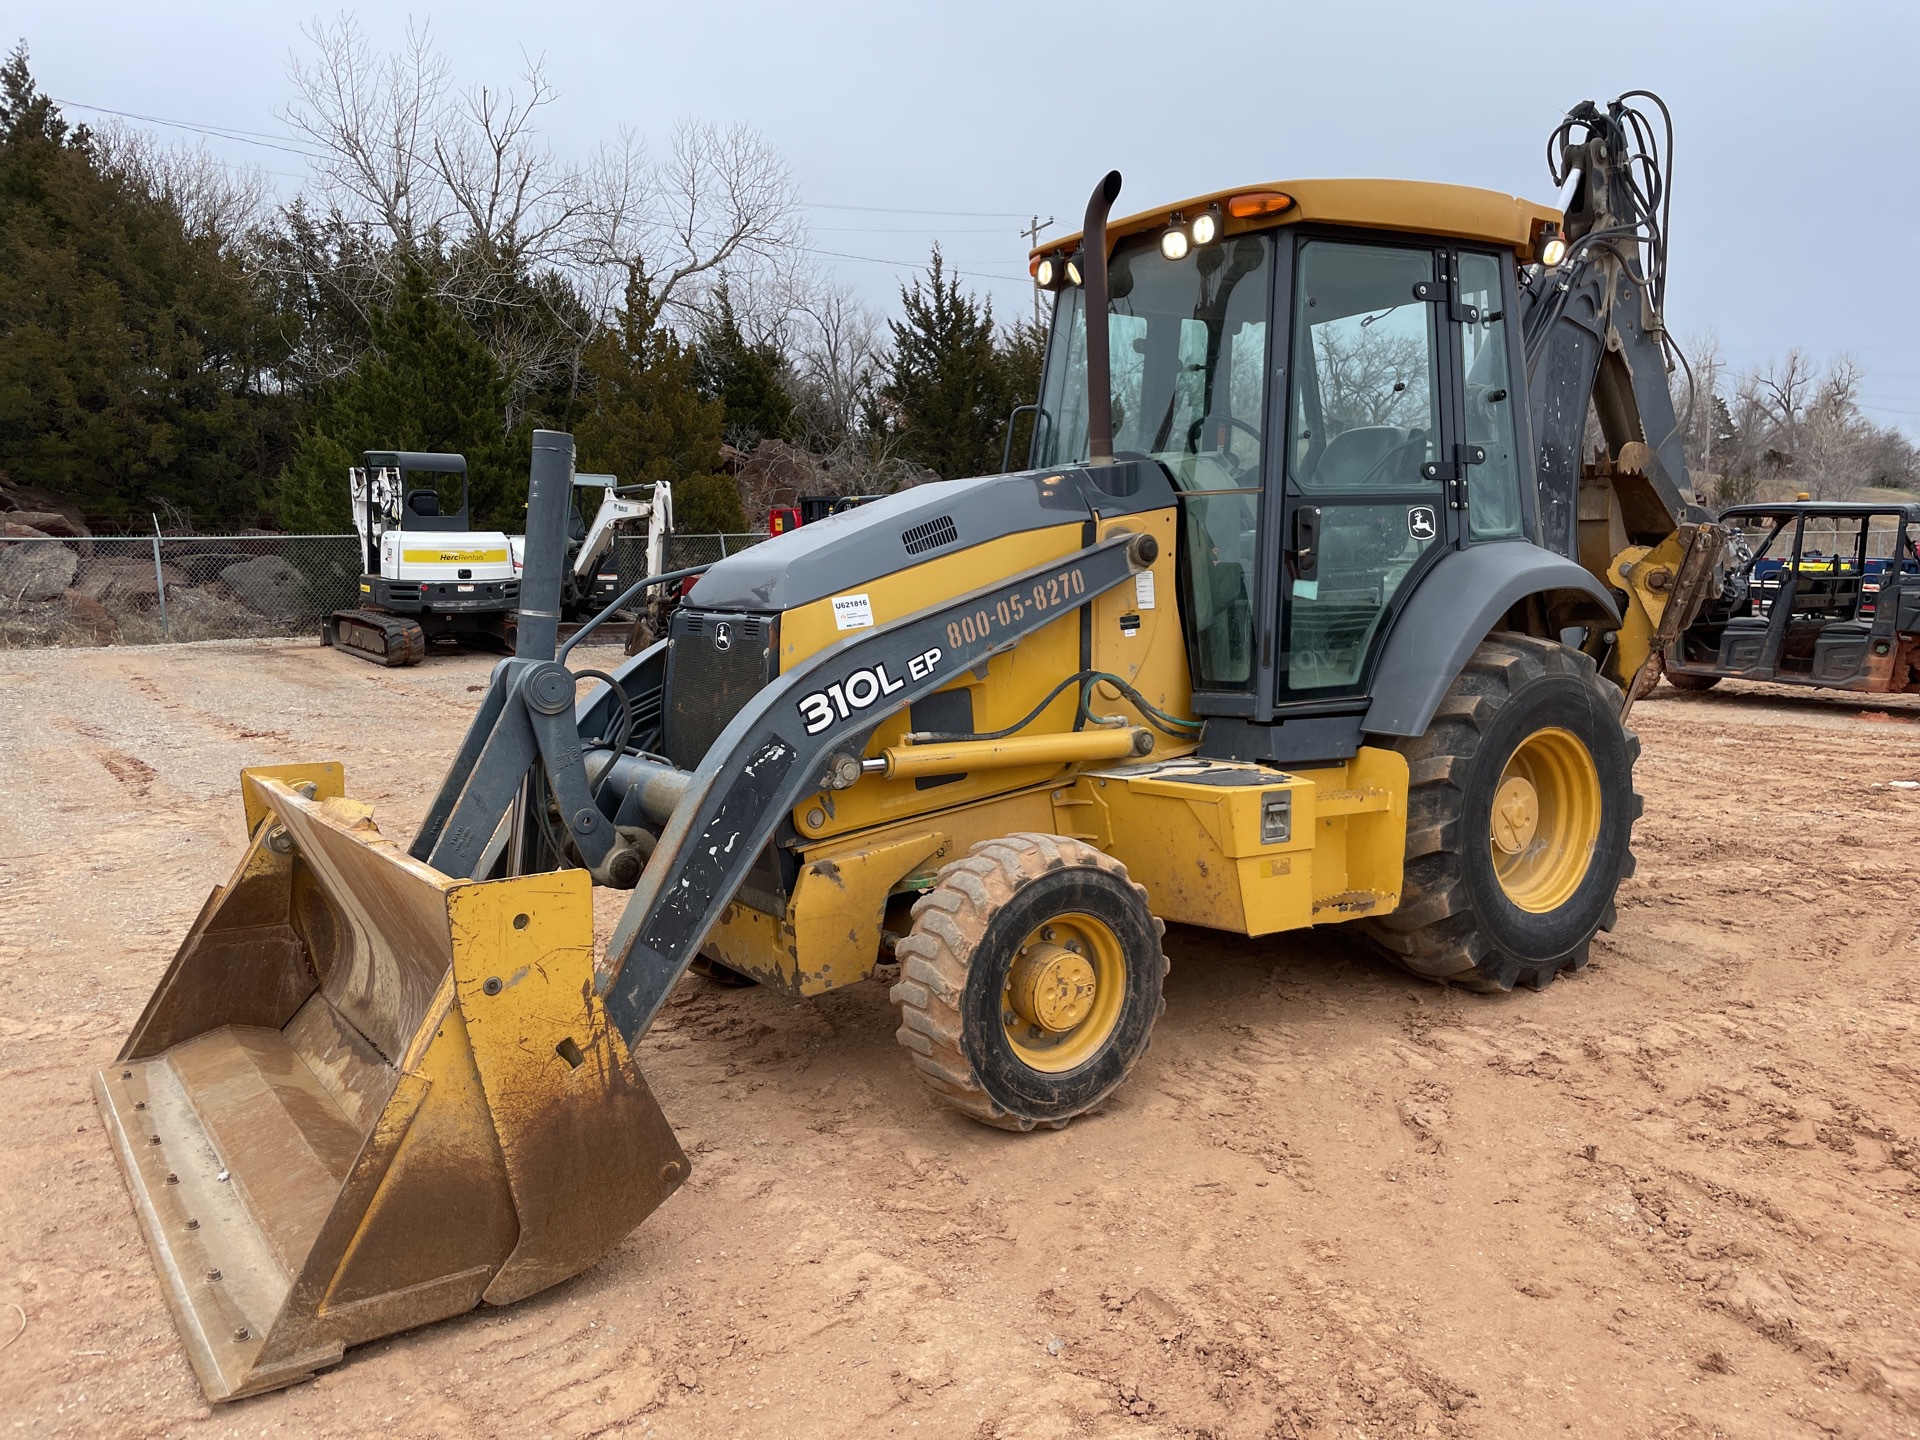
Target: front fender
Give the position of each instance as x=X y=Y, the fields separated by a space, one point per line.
x=1456 y=606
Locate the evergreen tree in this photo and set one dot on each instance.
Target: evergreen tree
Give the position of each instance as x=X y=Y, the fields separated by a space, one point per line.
x=1022 y=351
x=949 y=386
x=427 y=383
x=131 y=350
x=747 y=379
x=645 y=420
x=708 y=505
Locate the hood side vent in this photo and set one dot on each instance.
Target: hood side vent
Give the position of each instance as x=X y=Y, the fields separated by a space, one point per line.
x=932 y=535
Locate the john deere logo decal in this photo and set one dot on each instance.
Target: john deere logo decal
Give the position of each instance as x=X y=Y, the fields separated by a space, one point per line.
x=1421 y=524
x=723 y=636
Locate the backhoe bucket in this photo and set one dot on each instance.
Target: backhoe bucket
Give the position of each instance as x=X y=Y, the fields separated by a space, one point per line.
x=367 y=1095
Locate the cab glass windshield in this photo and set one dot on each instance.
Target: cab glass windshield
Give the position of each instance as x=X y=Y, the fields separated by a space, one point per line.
x=1189 y=348
x=1189 y=358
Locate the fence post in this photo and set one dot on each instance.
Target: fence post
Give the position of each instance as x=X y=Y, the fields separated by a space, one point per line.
x=160 y=581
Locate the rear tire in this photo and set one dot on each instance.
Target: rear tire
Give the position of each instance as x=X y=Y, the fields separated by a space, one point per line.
x=1031 y=981
x=1682 y=680
x=1519 y=820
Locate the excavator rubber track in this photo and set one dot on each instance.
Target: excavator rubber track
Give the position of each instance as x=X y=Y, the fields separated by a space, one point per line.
x=389 y=640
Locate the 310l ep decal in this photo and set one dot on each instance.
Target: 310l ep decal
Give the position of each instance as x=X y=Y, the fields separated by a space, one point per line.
x=859 y=691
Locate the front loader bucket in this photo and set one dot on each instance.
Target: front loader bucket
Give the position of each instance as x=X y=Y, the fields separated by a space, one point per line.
x=367 y=1095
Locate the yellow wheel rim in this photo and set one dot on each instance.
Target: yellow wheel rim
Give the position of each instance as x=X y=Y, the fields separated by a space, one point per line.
x=1546 y=820
x=1064 y=992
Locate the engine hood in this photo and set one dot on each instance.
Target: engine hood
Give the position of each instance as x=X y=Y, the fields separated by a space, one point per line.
x=855 y=547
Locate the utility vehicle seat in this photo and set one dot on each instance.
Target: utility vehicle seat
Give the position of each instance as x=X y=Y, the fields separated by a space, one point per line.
x=1841 y=651
x=1742 y=642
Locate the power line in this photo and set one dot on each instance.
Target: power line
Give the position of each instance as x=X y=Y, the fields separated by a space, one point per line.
x=911 y=264
x=268 y=141
x=907 y=230
x=898 y=210
x=919 y=265
x=218 y=132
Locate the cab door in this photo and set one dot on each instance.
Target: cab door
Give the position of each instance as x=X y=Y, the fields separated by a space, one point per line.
x=1371 y=480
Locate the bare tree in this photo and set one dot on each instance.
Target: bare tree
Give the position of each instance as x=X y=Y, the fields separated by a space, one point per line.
x=1704 y=370
x=373 y=119
x=1371 y=376
x=534 y=251
x=720 y=205
x=1798 y=428
x=838 y=349
x=214 y=199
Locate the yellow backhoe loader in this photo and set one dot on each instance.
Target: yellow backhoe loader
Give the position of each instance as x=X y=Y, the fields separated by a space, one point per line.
x=1304 y=612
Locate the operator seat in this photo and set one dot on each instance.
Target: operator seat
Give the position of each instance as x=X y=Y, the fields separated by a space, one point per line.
x=424 y=503
x=1360 y=457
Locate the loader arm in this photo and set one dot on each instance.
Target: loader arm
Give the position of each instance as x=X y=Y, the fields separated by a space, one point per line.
x=797 y=735
x=784 y=743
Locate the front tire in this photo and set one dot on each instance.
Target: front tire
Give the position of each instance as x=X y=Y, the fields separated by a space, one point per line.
x=1031 y=980
x=1519 y=820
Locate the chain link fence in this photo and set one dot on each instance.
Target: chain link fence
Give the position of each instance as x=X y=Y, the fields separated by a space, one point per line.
x=142 y=590
x=148 y=589
x=685 y=551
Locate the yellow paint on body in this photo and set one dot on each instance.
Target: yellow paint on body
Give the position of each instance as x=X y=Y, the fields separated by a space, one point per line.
x=1140 y=642
x=1013 y=682
x=1198 y=848
x=1636 y=571
x=1418 y=207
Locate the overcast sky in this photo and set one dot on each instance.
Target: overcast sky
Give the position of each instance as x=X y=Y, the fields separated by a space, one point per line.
x=1794 y=204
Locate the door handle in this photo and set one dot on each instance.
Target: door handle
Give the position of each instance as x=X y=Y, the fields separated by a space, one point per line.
x=1306 y=542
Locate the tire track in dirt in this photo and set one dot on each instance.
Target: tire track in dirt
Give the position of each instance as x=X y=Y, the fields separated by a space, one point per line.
x=1673 y=1195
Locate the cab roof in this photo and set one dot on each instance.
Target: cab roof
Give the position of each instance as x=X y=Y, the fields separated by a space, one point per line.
x=1848 y=509
x=1421 y=207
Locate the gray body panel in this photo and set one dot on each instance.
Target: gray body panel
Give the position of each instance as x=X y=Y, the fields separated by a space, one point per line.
x=1458 y=603
x=857 y=547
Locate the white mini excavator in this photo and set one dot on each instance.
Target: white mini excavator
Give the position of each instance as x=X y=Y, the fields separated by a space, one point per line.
x=426 y=576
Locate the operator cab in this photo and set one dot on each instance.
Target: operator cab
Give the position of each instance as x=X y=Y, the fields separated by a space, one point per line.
x=1338 y=405
x=1824 y=594
x=432 y=487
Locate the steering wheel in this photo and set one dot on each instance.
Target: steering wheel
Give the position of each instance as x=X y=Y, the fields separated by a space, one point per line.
x=1419 y=437
x=1232 y=422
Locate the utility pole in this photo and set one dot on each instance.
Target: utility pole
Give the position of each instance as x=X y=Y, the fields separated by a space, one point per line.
x=1032 y=232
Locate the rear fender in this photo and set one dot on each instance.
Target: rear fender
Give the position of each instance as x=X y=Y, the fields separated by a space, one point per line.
x=1458 y=604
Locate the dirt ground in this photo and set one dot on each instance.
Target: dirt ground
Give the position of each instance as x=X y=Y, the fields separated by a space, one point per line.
x=1675 y=1195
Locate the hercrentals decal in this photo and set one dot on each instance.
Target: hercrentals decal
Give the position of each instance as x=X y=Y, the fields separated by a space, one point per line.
x=452 y=557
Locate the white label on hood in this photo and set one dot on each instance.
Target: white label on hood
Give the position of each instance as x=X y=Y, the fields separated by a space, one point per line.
x=852 y=612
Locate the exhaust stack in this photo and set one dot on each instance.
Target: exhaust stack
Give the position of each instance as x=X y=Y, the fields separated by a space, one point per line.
x=1094 y=289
